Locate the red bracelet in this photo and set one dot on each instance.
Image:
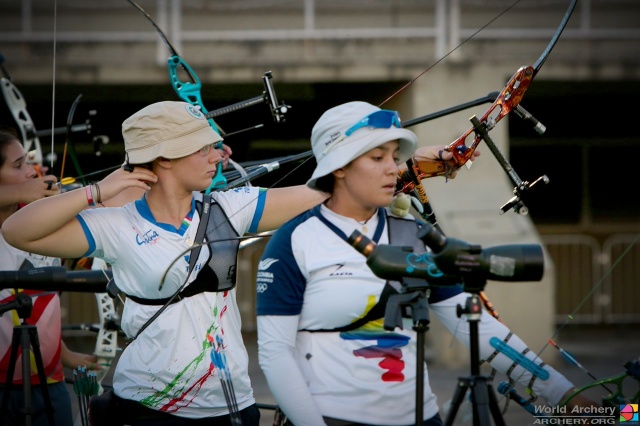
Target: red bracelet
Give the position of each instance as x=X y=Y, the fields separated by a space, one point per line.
x=87 y=190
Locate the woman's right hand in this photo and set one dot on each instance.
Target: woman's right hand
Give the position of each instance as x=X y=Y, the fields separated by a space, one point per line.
x=121 y=179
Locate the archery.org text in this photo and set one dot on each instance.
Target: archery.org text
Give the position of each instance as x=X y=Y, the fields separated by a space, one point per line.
x=575 y=421
x=586 y=411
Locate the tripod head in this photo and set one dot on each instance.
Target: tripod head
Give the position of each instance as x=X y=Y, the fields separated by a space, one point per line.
x=22 y=304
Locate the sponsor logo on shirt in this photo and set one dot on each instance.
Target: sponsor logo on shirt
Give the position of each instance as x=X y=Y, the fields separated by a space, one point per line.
x=339 y=273
x=149 y=237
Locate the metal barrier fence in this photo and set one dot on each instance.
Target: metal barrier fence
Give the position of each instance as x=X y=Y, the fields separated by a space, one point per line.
x=596 y=283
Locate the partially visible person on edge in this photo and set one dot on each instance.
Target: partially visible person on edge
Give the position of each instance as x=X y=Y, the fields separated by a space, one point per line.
x=19 y=185
x=322 y=346
x=165 y=376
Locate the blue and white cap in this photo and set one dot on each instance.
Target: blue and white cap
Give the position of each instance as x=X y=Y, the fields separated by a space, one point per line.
x=345 y=132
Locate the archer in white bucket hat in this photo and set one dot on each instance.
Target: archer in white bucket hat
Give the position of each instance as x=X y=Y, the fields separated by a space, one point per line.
x=347 y=131
x=166 y=129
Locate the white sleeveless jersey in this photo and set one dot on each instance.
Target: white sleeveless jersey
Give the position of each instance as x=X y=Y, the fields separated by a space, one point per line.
x=169 y=366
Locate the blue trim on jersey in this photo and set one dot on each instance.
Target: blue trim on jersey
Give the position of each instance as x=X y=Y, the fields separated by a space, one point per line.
x=382 y=220
x=87 y=235
x=281 y=284
x=186 y=223
x=284 y=294
x=257 y=215
x=143 y=209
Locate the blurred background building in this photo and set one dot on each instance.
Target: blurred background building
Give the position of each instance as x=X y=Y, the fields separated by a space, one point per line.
x=325 y=52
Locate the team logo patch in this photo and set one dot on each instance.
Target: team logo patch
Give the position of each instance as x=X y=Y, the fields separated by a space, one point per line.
x=194 y=111
x=266 y=263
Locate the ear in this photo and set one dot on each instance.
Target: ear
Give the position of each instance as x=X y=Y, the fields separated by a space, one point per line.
x=164 y=163
x=339 y=173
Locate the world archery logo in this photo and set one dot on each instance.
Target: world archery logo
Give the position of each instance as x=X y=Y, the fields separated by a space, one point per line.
x=194 y=111
x=629 y=414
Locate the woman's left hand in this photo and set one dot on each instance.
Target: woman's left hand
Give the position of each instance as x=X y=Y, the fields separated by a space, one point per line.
x=438 y=152
x=71 y=359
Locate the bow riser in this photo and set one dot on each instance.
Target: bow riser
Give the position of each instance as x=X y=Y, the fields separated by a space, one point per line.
x=506 y=102
x=188 y=91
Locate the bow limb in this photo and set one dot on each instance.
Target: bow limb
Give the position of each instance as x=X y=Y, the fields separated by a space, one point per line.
x=18 y=107
x=107 y=340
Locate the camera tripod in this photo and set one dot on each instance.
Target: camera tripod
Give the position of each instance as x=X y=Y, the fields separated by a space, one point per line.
x=25 y=336
x=417 y=300
x=483 y=397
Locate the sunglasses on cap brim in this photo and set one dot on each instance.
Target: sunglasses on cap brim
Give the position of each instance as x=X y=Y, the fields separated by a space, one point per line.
x=383 y=119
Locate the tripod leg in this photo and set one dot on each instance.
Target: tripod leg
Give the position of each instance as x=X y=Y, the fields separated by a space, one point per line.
x=480 y=401
x=15 y=343
x=458 y=397
x=35 y=343
x=495 y=408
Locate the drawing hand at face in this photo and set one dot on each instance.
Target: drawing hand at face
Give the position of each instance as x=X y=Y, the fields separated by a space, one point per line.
x=225 y=152
x=37 y=188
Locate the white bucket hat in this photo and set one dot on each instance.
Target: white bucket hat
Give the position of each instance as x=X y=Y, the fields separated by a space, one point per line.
x=166 y=129
x=345 y=132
